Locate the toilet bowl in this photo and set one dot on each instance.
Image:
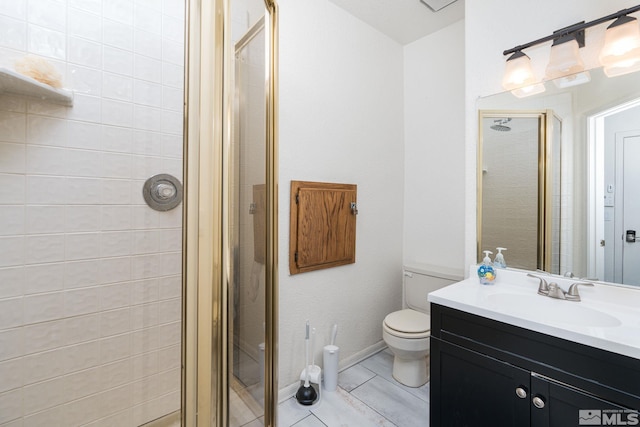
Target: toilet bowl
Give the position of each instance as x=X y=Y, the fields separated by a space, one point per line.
x=407 y=332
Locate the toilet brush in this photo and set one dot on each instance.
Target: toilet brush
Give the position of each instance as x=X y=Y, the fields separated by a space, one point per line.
x=313 y=347
x=315 y=372
x=306 y=394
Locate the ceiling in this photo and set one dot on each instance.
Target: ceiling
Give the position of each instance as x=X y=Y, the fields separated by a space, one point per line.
x=403 y=20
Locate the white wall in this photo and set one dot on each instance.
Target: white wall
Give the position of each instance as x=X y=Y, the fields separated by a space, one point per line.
x=89 y=275
x=493 y=26
x=434 y=148
x=341 y=120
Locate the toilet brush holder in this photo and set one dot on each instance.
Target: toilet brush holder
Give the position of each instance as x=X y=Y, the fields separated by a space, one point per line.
x=330 y=356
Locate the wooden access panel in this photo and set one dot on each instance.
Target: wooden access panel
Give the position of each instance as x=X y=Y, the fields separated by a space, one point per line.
x=322 y=225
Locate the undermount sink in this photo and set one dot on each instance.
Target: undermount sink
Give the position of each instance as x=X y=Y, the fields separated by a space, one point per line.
x=553 y=311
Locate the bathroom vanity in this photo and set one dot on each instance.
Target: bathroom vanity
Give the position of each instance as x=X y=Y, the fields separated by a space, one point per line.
x=502 y=355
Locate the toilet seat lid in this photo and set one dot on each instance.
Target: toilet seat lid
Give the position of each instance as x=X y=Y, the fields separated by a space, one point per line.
x=408 y=321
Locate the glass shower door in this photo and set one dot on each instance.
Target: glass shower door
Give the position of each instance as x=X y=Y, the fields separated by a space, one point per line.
x=248 y=218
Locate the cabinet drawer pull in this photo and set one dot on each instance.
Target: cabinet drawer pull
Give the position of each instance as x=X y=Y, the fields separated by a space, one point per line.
x=521 y=392
x=538 y=402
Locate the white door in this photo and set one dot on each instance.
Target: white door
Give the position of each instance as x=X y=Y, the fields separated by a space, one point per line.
x=627 y=253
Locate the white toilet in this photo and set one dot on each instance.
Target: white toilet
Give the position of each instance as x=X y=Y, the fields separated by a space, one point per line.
x=406 y=332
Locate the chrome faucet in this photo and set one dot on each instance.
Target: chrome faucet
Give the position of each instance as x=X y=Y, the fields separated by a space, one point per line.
x=553 y=290
x=543 y=288
x=572 y=294
x=556 y=291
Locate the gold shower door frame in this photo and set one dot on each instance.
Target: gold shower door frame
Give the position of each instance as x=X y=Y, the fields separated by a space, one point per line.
x=208 y=115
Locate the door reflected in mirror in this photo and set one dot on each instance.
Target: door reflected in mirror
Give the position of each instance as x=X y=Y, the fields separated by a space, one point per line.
x=616 y=140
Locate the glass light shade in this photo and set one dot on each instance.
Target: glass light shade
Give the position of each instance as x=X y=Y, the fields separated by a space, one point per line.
x=622 y=68
x=572 y=80
x=518 y=72
x=621 y=51
x=529 y=90
x=564 y=60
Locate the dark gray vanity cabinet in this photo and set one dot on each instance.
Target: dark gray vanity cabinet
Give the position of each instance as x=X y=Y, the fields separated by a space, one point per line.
x=488 y=373
x=469 y=387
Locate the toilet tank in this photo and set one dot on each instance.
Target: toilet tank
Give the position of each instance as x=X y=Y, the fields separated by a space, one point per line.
x=420 y=279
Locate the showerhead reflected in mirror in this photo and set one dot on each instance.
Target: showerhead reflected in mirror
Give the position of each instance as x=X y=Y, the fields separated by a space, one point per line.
x=591 y=190
x=500 y=125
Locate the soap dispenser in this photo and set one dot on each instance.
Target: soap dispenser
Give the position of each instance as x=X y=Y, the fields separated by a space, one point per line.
x=499 y=261
x=486 y=272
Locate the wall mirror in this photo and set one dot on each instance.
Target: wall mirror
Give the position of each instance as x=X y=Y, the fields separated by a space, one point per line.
x=577 y=150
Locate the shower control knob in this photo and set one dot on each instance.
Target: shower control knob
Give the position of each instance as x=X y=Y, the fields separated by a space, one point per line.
x=165 y=191
x=162 y=192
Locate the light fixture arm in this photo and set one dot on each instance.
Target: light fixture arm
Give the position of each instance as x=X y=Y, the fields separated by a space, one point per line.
x=581 y=26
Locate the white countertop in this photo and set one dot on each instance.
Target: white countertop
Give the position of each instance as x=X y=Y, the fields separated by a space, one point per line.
x=608 y=317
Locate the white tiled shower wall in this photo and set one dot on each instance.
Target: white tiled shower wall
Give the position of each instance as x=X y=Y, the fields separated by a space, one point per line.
x=90 y=277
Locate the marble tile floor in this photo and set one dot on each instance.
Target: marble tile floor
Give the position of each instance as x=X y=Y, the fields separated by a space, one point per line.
x=367 y=395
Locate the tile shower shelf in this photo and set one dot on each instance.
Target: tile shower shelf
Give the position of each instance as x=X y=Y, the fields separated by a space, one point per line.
x=17 y=84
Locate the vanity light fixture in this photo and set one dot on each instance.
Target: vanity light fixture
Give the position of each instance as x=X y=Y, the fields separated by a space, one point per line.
x=621 y=51
x=518 y=72
x=620 y=55
x=519 y=77
x=565 y=65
